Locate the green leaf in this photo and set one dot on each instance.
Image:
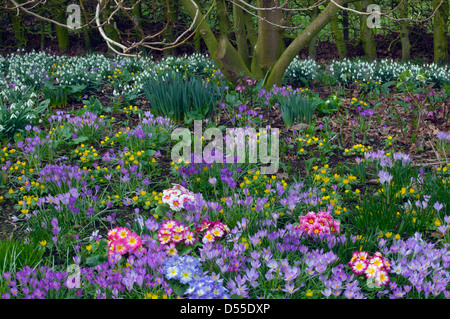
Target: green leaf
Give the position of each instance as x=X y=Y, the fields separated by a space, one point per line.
x=162 y=209
x=44 y=104
x=96 y=260
x=80 y=139
x=177 y=287
x=185 y=250
x=76 y=88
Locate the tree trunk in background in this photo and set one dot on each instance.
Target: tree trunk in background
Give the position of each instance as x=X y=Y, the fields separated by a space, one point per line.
x=440 y=29
x=137 y=17
x=19 y=30
x=404 y=31
x=345 y=23
x=366 y=34
x=197 y=42
x=268 y=45
x=241 y=35
x=42 y=29
x=62 y=33
x=169 y=35
x=269 y=62
x=338 y=37
x=252 y=34
x=312 y=46
x=300 y=42
x=87 y=37
x=110 y=31
x=222 y=52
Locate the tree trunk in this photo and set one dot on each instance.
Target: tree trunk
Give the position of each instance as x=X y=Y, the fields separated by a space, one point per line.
x=268 y=45
x=267 y=54
x=42 y=29
x=222 y=52
x=62 y=33
x=171 y=29
x=223 y=21
x=231 y=60
x=241 y=35
x=338 y=37
x=300 y=42
x=252 y=34
x=110 y=31
x=440 y=29
x=312 y=46
x=345 y=23
x=20 y=35
x=87 y=37
x=197 y=42
x=404 y=31
x=366 y=34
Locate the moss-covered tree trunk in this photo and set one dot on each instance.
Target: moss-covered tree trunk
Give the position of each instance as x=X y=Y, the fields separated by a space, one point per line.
x=110 y=30
x=301 y=41
x=269 y=58
x=312 y=46
x=222 y=52
x=345 y=28
x=197 y=42
x=404 y=31
x=62 y=33
x=241 y=35
x=42 y=31
x=170 y=33
x=252 y=33
x=268 y=45
x=338 y=37
x=366 y=33
x=20 y=35
x=440 y=30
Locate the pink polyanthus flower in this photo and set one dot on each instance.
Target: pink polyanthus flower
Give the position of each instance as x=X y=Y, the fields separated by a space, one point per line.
x=212 y=230
x=310 y=217
x=122 y=241
x=335 y=226
x=169 y=224
x=171 y=249
x=176 y=204
x=319 y=223
x=377 y=261
x=358 y=267
x=315 y=229
x=120 y=246
x=179 y=228
x=381 y=277
x=324 y=215
x=374 y=268
x=164 y=236
x=177 y=196
x=371 y=270
x=112 y=234
x=123 y=232
x=133 y=241
x=177 y=237
x=208 y=238
x=189 y=237
x=217 y=231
